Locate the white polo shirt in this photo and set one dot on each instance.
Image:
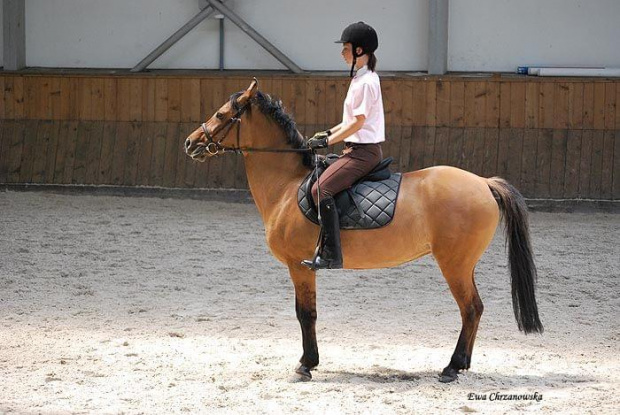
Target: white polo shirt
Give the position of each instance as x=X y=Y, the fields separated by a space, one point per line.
x=364 y=98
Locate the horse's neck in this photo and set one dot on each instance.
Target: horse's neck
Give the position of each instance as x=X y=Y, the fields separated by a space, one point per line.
x=272 y=177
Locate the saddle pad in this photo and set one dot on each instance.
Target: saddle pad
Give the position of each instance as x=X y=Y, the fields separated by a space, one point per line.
x=366 y=205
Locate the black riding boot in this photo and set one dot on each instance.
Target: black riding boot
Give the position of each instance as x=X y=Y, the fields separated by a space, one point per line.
x=330 y=253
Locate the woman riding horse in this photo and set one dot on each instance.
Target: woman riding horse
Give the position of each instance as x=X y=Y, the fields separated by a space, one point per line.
x=362 y=129
x=443 y=211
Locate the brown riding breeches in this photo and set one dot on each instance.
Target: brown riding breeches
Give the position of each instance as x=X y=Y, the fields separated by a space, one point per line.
x=356 y=161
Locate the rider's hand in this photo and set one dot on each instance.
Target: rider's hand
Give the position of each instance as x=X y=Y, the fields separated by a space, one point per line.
x=318 y=140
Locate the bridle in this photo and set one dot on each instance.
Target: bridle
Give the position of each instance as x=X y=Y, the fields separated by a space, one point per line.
x=215 y=147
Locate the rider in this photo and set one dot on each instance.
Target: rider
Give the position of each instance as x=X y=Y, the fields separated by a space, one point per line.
x=362 y=129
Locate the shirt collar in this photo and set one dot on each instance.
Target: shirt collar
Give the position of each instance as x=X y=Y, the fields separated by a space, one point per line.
x=361 y=71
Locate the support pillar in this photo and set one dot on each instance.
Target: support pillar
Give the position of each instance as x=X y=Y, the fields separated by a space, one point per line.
x=14 y=34
x=438 y=11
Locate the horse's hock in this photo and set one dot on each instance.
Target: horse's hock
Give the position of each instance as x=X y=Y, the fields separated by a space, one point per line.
x=552 y=139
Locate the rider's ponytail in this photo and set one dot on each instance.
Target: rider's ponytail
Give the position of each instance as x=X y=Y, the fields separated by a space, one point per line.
x=372 y=61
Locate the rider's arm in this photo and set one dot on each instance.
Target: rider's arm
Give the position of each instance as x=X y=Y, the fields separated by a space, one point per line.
x=335 y=129
x=346 y=130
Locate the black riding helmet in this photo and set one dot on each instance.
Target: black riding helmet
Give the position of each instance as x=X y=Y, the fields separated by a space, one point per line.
x=359 y=35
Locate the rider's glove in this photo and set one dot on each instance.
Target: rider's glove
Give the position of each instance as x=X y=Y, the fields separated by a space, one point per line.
x=319 y=140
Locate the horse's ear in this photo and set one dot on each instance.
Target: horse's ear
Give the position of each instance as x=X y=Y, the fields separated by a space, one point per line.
x=249 y=93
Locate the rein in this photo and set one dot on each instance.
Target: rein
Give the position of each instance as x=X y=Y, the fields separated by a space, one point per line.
x=215 y=147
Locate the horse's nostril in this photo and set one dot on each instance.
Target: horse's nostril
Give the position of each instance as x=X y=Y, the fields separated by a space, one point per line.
x=187 y=143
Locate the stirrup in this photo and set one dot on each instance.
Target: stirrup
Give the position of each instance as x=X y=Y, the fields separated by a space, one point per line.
x=320 y=263
x=311 y=263
x=317 y=262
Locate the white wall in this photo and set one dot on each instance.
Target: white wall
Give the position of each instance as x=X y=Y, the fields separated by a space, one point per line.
x=120 y=33
x=500 y=35
x=110 y=33
x=485 y=35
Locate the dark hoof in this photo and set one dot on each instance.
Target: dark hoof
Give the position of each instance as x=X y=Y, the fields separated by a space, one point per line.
x=448 y=375
x=303 y=372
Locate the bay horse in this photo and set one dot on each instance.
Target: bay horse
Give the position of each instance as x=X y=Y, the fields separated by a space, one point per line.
x=444 y=211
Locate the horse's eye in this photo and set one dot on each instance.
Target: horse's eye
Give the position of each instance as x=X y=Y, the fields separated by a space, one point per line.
x=219 y=116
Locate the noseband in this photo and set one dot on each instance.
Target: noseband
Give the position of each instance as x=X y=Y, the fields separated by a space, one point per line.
x=215 y=147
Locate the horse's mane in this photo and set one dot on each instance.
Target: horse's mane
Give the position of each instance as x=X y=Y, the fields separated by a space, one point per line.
x=274 y=109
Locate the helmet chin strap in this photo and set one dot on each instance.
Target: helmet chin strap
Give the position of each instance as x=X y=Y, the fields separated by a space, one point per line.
x=355 y=56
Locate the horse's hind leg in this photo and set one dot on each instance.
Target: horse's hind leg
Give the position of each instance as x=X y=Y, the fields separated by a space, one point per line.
x=461 y=282
x=305 y=308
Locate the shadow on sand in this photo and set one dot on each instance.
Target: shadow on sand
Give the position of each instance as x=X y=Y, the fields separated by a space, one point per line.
x=383 y=375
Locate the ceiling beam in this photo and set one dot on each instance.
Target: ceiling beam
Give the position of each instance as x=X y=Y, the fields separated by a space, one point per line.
x=257 y=37
x=176 y=36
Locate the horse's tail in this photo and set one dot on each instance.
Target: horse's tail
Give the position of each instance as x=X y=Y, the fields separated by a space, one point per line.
x=522 y=268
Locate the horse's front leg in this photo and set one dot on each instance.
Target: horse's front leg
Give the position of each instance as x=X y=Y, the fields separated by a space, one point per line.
x=305 y=307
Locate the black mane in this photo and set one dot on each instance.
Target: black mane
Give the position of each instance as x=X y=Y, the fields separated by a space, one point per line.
x=274 y=109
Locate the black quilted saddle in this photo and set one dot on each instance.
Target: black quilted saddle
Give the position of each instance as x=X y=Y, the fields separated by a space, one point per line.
x=370 y=203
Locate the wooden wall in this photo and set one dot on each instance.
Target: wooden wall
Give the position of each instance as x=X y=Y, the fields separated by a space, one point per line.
x=552 y=138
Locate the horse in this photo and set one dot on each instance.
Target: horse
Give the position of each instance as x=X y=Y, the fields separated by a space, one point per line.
x=444 y=211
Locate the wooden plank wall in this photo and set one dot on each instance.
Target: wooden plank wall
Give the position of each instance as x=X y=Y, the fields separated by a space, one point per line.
x=552 y=138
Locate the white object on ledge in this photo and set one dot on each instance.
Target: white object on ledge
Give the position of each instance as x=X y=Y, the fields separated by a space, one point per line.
x=601 y=72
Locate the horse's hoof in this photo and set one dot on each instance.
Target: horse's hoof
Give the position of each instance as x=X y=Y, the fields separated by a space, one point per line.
x=303 y=372
x=447 y=379
x=448 y=375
